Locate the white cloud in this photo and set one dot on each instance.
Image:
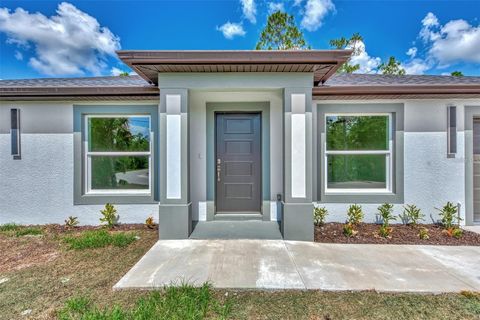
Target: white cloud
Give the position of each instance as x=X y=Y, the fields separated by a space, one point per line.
x=456 y=41
x=18 y=55
x=416 y=66
x=116 y=71
x=297 y=2
x=275 y=6
x=231 y=30
x=367 y=63
x=68 y=43
x=315 y=11
x=249 y=10
x=412 y=52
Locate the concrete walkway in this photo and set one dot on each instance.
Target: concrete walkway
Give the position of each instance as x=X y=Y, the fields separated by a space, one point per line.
x=278 y=264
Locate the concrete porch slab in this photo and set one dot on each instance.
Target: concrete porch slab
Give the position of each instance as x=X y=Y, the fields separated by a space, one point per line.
x=278 y=264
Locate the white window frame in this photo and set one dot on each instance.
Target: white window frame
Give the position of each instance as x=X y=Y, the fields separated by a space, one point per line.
x=87 y=157
x=389 y=157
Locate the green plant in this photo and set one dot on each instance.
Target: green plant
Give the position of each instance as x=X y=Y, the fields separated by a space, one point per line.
x=386 y=213
x=150 y=223
x=354 y=214
x=453 y=232
x=349 y=230
x=449 y=215
x=174 y=302
x=319 y=215
x=99 y=239
x=9 y=227
x=423 y=234
x=457 y=233
x=109 y=216
x=411 y=214
x=29 y=231
x=71 y=222
x=385 y=231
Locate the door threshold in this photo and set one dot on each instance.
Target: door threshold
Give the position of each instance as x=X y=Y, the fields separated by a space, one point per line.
x=238 y=216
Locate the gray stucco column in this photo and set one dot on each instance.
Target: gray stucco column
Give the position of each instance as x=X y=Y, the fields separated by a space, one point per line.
x=175 y=217
x=297 y=207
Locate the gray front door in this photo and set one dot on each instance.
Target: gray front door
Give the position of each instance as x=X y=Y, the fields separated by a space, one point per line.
x=238 y=163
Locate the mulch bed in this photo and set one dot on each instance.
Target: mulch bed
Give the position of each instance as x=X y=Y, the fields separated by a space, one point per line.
x=401 y=234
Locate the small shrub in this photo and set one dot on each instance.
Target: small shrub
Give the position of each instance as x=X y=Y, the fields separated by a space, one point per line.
x=449 y=214
x=385 y=231
x=99 y=239
x=386 y=213
x=150 y=223
x=319 y=215
x=71 y=222
x=457 y=233
x=29 y=231
x=454 y=232
x=349 y=230
x=423 y=234
x=354 y=214
x=109 y=216
x=9 y=227
x=411 y=214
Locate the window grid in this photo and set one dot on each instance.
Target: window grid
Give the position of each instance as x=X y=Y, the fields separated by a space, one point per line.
x=89 y=154
x=388 y=159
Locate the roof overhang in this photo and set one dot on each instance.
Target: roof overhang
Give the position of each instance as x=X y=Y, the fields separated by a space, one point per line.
x=149 y=63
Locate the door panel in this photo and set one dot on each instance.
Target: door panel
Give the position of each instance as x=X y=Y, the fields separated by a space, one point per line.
x=238 y=162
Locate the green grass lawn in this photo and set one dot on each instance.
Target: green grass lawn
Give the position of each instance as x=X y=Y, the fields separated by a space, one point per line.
x=45 y=276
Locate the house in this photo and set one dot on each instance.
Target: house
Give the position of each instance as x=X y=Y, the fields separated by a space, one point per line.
x=204 y=135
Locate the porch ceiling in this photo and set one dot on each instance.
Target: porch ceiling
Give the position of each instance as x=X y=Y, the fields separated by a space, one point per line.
x=323 y=63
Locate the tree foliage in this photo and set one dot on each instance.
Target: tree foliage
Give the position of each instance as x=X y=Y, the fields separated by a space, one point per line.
x=281 y=33
x=115 y=134
x=352 y=43
x=456 y=74
x=392 y=67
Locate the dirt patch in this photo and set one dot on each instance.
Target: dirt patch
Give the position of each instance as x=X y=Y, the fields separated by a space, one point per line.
x=19 y=253
x=401 y=234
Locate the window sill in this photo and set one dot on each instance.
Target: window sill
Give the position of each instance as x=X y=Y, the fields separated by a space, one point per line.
x=116 y=198
x=361 y=197
x=360 y=193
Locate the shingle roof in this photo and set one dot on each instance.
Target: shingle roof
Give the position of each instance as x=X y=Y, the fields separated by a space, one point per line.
x=135 y=87
x=91 y=82
x=349 y=79
x=339 y=79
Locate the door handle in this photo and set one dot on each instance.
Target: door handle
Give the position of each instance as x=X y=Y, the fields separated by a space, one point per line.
x=219 y=169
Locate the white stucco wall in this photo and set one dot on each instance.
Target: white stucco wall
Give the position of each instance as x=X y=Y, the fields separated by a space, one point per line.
x=430 y=177
x=38 y=188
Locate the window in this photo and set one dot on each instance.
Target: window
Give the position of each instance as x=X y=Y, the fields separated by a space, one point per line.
x=358 y=153
x=118 y=154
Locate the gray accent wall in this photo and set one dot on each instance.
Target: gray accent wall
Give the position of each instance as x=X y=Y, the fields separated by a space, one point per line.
x=470 y=112
x=202 y=105
x=397 y=111
x=79 y=113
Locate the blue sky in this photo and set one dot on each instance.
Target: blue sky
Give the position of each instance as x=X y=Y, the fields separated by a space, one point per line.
x=78 y=38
